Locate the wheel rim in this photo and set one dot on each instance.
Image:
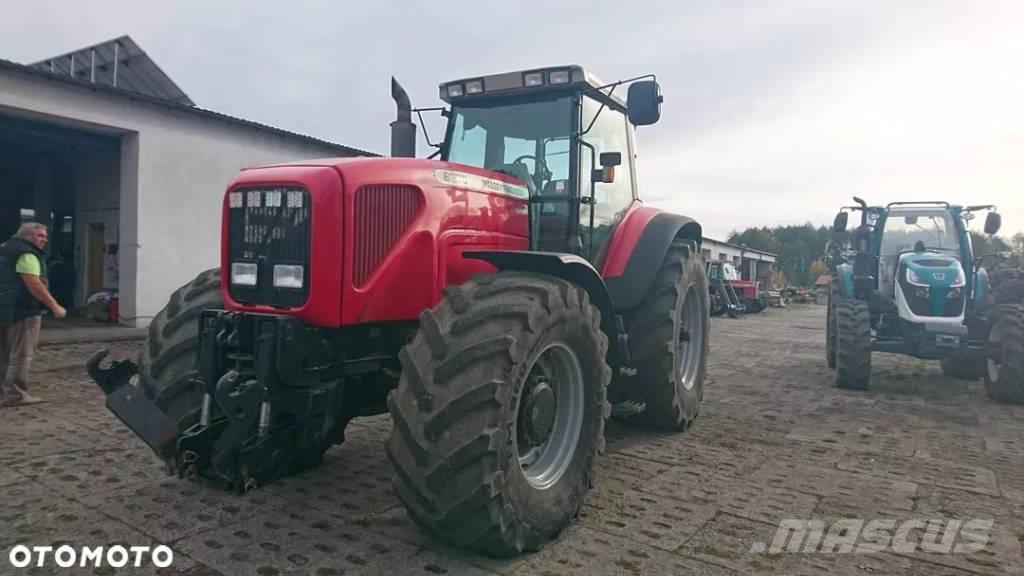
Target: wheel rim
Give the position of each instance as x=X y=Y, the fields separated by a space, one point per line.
x=690 y=339
x=995 y=336
x=549 y=417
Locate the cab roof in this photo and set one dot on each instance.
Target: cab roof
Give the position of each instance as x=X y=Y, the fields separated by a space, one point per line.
x=568 y=78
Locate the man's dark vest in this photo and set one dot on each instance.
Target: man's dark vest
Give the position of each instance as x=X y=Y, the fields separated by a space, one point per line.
x=16 y=302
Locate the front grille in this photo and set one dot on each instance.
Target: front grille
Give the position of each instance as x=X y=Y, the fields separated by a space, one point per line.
x=951 y=308
x=269 y=226
x=383 y=212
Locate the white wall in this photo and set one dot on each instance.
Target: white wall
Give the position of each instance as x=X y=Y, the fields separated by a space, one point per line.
x=173 y=171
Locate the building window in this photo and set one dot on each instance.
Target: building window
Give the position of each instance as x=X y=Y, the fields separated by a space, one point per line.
x=706 y=254
x=723 y=257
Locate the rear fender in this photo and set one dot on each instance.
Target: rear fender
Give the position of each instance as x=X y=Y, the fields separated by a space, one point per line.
x=644 y=253
x=568 y=267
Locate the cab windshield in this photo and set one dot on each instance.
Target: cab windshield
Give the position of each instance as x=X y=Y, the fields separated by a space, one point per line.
x=935 y=229
x=528 y=141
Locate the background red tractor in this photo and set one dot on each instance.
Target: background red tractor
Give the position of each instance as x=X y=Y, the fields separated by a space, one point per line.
x=730 y=293
x=499 y=302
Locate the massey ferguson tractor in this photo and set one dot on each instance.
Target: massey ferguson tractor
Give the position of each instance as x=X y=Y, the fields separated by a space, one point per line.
x=731 y=294
x=500 y=302
x=908 y=282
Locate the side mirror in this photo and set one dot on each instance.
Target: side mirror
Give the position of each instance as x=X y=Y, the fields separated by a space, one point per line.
x=643 y=102
x=609 y=159
x=606 y=173
x=839 y=224
x=992 y=223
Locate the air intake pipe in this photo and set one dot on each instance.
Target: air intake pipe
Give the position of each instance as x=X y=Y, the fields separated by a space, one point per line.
x=403 y=130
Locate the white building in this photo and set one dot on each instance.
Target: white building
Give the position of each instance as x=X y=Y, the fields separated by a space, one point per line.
x=751 y=264
x=103 y=146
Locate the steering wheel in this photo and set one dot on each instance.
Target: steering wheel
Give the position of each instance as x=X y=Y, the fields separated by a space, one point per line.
x=542 y=175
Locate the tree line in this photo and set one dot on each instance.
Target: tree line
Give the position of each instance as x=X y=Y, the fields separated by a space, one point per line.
x=800 y=249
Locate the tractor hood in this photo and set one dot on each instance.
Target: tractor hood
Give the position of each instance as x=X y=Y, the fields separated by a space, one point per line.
x=932 y=284
x=932 y=269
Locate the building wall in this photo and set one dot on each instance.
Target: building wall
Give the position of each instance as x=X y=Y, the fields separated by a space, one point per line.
x=173 y=169
x=749 y=263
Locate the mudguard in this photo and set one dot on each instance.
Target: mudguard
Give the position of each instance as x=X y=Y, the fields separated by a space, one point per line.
x=845 y=274
x=981 y=288
x=629 y=286
x=569 y=267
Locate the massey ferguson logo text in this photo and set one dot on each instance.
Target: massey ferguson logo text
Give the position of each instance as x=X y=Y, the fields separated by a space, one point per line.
x=936 y=535
x=22 y=556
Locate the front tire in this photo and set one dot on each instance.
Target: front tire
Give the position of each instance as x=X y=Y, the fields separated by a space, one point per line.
x=669 y=337
x=853 y=344
x=167 y=362
x=499 y=413
x=1004 y=379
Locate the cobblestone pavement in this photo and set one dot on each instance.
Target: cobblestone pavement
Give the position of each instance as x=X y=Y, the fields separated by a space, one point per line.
x=775 y=440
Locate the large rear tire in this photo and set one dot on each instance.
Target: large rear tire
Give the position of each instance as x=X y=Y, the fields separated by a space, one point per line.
x=853 y=344
x=167 y=362
x=1004 y=379
x=669 y=337
x=499 y=413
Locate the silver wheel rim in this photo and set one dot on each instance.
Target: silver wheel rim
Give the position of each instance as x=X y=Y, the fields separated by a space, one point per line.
x=543 y=463
x=690 y=339
x=995 y=336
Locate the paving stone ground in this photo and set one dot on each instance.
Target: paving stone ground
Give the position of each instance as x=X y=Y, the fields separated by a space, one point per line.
x=775 y=441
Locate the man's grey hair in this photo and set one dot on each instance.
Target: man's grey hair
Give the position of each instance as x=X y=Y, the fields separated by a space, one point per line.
x=26 y=229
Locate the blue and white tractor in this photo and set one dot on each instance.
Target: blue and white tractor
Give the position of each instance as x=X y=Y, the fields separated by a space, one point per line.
x=907 y=281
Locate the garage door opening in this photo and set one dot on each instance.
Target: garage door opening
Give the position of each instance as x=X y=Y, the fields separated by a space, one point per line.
x=69 y=179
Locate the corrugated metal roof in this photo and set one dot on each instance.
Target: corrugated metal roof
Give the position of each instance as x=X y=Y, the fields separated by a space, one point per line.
x=119 y=63
x=86 y=84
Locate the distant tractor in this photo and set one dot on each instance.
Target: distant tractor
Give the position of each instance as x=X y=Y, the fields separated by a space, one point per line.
x=907 y=281
x=500 y=302
x=730 y=293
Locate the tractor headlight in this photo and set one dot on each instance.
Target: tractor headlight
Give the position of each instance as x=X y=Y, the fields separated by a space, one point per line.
x=243 y=273
x=954 y=293
x=288 y=276
x=915 y=278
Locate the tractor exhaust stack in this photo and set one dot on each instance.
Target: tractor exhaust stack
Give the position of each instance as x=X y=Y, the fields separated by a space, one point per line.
x=403 y=130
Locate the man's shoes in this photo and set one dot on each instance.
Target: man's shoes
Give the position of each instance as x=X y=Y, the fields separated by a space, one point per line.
x=25 y=400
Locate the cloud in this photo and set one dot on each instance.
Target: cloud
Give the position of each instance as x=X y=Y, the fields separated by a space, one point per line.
x=775 y=112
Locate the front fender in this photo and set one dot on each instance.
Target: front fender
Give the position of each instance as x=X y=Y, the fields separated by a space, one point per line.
x=571 y=268
x=845 y=274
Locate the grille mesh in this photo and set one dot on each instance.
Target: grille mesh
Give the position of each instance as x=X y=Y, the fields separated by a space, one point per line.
x=383 y=212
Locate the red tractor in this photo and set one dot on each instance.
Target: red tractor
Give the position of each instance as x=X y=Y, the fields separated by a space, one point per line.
x=500 y=302
x=731 y=294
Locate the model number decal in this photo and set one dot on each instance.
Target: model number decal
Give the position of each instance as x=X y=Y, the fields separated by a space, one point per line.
x=474 y=182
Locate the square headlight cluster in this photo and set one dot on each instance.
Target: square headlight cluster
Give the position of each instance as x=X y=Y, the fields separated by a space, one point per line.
x=246 y=274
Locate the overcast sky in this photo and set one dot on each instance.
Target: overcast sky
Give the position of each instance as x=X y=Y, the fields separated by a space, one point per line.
x=775 y=112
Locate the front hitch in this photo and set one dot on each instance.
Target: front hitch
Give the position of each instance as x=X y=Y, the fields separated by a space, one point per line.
x=127 y=401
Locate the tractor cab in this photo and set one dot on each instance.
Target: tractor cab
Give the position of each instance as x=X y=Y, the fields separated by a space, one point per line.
x=566 y=136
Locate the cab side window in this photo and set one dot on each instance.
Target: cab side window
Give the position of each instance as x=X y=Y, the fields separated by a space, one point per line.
x=609 y=133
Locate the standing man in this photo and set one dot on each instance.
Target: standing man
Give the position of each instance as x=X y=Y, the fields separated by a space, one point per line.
x=23 y=298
